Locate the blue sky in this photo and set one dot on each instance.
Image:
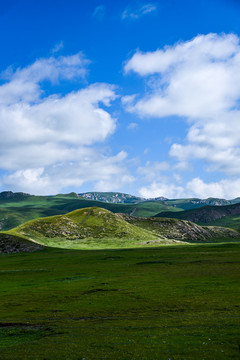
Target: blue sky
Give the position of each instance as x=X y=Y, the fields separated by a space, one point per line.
x=133 y=96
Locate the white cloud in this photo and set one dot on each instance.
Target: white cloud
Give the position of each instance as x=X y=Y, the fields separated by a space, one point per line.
x=58 y=47
x=137 y=11
x=153 y=170
x=24 y=85
x=99 y=12
x=107 y=173
x=157 y=189
x=225 y=188
x=53 y=129
x=198 y=80
x=132 y=126
x=48 y=143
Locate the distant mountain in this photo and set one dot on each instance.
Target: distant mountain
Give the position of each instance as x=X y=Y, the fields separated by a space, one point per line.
x=112 y=197
x=17 y=196
x=205 y=214
x=160 y=198
x=193 y=203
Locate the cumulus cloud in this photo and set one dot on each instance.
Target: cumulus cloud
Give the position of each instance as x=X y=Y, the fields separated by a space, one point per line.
x=48 y=143
x=137 y=11
x=89 y=166
x=225 y=188
x=198 y=80
x=161 y=188
x=24 y=85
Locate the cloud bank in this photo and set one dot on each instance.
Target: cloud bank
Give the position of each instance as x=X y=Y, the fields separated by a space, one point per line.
x=199 y=81
x=48 y=143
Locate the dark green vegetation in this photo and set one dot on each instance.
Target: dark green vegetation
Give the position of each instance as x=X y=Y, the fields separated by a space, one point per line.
x=220 y=215
x=163 y=303
x=15 y=210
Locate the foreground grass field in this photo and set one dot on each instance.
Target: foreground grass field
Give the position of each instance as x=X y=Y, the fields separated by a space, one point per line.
x=172 y=302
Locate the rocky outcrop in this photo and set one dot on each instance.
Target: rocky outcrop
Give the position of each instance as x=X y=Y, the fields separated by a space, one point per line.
x=10 y=244
x=182 y=229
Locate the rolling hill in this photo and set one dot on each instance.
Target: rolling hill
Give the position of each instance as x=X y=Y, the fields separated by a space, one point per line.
x=15 y=210
x=98 y=228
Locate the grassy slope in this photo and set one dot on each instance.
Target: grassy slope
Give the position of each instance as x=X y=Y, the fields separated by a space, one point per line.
x=86 y=229
x=166 y=303
x=231 y=221
x=13 y=213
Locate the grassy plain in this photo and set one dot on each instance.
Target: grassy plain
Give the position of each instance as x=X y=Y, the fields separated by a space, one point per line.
x=170 y=302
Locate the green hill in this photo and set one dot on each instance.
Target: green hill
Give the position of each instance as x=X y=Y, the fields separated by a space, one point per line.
x=85 y=229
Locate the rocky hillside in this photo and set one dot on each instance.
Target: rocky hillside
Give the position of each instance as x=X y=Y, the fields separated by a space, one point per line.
x=181 y=229
x=112 y=197
x=10 y=244
x=204 y=214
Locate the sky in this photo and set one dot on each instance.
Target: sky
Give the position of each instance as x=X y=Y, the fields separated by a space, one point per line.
x=140 y=97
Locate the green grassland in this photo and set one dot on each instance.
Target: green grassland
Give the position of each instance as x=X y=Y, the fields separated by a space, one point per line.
x=14 y=212
x=158 y=303
x=231 y=221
